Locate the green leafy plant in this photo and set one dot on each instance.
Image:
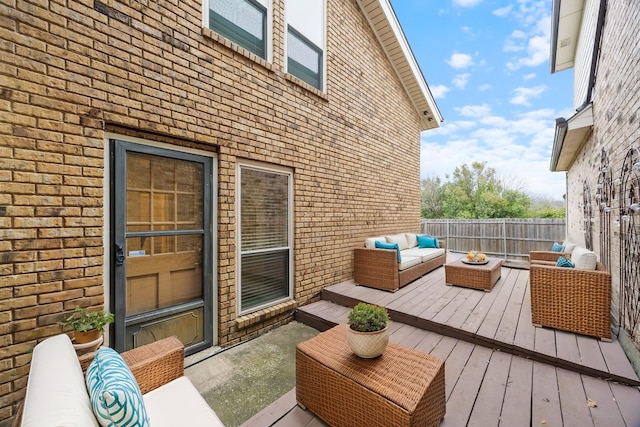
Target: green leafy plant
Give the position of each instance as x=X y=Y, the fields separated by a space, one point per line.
x=82 y=320
x=368 y=318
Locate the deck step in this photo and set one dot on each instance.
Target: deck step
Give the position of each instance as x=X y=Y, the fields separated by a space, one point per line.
x=336 y=301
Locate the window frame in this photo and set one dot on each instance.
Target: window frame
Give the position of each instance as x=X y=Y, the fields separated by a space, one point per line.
x=303 y=76
x=256 y=166
x=267 y=19
x=322 y=69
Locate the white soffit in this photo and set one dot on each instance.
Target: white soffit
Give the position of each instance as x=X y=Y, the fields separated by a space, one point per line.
x=385 y=25
x=571 y=135
x=565 y=22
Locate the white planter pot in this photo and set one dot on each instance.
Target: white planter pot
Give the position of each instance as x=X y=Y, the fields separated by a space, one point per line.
x=368 y=344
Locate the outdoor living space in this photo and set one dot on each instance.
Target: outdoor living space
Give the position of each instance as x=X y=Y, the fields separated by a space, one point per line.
x=499 y=368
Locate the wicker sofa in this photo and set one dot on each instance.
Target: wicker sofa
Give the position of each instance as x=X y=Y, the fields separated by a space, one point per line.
x=57 y=395
x=572 y=299
x=380 y=268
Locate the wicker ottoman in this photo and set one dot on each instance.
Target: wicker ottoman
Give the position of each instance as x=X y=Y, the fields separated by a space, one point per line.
x=473 y=276
x=403 y=387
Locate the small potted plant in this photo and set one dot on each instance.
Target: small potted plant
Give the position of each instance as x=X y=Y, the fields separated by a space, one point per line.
x=368 y=333
x=87 y=325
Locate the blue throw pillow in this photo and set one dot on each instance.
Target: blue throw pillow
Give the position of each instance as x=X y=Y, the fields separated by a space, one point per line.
x=114 y=392
x=563 y=262
x=395 y=246
x=557 y=247
x=425 y=241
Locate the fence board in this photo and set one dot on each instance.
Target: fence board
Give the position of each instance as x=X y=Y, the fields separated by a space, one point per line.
x=508 y=238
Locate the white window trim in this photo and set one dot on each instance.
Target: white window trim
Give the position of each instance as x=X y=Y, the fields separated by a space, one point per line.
x=248 y=164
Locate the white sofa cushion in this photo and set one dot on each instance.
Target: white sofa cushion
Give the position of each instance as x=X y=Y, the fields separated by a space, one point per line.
x=412 y=240
x=568 y=246
x=178 y=403
x=425 y=254
x=409 y=261
x=371 y=241
x=583 y=258
x=400 y=239
x=56 y=393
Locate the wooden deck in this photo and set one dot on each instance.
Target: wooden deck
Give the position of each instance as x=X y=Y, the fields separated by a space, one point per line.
x=500 y=370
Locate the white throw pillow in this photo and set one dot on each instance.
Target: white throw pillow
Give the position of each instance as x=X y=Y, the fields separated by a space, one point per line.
x=400 y=239
x=371 y=242
x=568 y=246
x=412 y=240
x=584 y=259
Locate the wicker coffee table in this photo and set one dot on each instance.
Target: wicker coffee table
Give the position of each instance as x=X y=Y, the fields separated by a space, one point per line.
x=403 y=387
x=483 y=276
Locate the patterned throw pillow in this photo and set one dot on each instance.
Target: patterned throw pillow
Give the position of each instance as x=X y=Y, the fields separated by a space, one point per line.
x=557 y=247
x=114 y=392
x=563 y=262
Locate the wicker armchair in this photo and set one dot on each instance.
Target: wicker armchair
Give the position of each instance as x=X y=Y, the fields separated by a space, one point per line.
x=542 y=257
x=571 y=299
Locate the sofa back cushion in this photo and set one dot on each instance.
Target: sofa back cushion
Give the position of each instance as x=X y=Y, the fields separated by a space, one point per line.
x=371 y=241
x=400 y=239
x=56 y=393
x=583 y=258
x=412 y=240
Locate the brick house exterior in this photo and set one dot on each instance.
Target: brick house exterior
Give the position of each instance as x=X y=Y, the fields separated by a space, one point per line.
x=77 y=75
x=598 y=146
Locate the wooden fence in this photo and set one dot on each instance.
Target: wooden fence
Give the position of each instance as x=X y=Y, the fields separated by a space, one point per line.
x=510 y=239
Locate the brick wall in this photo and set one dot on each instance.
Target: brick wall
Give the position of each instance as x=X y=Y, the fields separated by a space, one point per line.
x=72 y=71
x=616 y=102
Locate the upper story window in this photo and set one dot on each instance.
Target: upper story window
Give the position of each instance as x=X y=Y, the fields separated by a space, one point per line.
x=306 y=40
x=244 y=22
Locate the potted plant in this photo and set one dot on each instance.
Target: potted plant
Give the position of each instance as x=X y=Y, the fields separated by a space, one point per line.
x=87 y=325
x=368 y=333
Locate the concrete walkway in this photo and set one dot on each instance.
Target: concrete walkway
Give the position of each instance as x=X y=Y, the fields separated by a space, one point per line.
x=240 y=381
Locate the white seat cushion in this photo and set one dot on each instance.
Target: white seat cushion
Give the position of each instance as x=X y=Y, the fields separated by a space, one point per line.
x=568 y=246
x=56 y=391
x=583 y=258
x=400 y=239
x=178 y=403
x=408 y=262
x=425 y=254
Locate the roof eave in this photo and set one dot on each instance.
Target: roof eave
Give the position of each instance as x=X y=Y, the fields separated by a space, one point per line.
x=384 y=22
x=570 y=137
x=565 y=30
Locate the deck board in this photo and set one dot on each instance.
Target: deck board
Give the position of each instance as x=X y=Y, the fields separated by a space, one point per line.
x=550 y=385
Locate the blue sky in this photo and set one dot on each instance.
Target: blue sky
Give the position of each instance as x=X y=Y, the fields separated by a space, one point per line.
x=487 y=64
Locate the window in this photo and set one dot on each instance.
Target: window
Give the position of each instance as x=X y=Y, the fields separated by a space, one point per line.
x=305 y=40
x=265 y=206
x=244 y=22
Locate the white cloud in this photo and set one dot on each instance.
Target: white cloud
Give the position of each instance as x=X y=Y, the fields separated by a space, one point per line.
x=518 y=147
x=460 y=60
x=474 y=110
x=502 y=12
x=484 y=87
x=466 y=3
x=529 y=76
x=439 y=91
x=524 y=94
x=460 y=80
x=537 y=51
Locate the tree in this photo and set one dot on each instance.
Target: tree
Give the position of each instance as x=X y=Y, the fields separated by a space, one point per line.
x=476 y=191
x=431 y=197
